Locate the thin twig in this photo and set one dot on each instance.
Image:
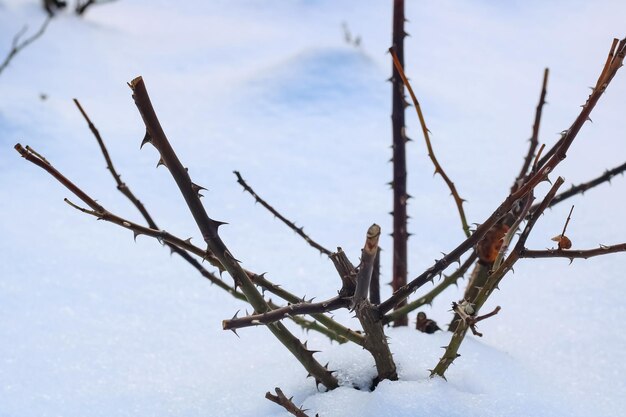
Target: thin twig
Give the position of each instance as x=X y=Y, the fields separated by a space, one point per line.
x=18 y=45
x=573 y=254
x=286 y=403
x=290 y=224
x=581 y=188
x=534 y=139
x=438 y=168
x=272 y=316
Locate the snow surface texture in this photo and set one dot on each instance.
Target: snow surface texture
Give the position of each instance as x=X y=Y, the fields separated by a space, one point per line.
x=92 y=324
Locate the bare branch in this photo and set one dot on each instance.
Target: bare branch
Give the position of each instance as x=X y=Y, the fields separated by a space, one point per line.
x=472 y=307
x=281 y=313
x=290 y=224
x=209 y=229
x=534 y=139
x=581 y=188
x=558 y=156
x=573 y=254
x=438 y=168
x=18 y=44
x=286 y=403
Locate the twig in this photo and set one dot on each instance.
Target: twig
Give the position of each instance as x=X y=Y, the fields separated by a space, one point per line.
x=581 y=188
x=400 y=233
x=573 y=254
x=18 y=45
x=162 y=236
x=541 y=174
x=286 y=403
x=563 y=242
x=471 y=321
x=534 y=139
x=272 y=316
x=290 y=224
x=209 y=229
x=438 y=168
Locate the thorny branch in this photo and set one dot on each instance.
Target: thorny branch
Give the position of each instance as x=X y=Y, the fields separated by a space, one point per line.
x=209 y=229
x=534 y=139
x=542 y=172
x=400 y=232
x=581 y=188
x=19 y=44
x=162 y=236
x=272 y=316
x=573 y=253
x=438 y=168
x=472 y=307
x=281 y=399
x=290 y=224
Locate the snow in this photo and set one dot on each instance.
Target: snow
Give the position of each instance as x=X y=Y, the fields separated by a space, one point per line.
x=93 y=324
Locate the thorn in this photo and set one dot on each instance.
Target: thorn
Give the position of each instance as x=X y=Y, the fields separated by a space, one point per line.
x=161 y=162
x=135 y=234
x=146 y=139
x=235 y=331
x=197 y=188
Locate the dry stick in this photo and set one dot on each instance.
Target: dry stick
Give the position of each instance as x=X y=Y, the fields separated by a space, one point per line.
x=282 y=400
x=534 y=139
x=281 y=313
x=209 y=229
x=101 y=213
x=290 y=224
x=400 y=231
x=430 y=296
x=438 y=168
x=573 y=254
x=559 y=155
x=17 y=46
x=492 y=282
x=375 y=339
x=581 y=188
x=125 y=190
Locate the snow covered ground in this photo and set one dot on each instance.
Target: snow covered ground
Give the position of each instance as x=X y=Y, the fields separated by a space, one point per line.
x=93 y=324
